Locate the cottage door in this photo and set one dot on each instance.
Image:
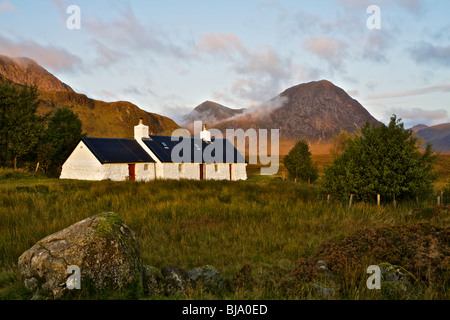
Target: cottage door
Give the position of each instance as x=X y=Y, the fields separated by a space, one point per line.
x=202 y=171
x=132 y=172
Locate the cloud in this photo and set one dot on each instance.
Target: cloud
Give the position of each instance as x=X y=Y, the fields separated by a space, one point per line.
x=223 y=44
x=129 y=35
x=261 y=72
x=329 y=49
x=49 y=56
x=416 y=92
x=414 y=7
x=426 y=52
x=107 y=56
x=377 y=45
x=7 y=6
x=414 y=116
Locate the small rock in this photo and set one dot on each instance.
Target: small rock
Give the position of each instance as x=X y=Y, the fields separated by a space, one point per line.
x=325 y=292
x=152 y=281
x=176 y=280
x=207 y=276
x=396 y=277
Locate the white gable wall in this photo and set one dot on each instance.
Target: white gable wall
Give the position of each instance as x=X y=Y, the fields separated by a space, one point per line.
x=82 y=165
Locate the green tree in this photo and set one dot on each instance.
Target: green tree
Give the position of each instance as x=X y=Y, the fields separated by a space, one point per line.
x=383 y=160
x=340 y=142
x=299 y=163
x=64 y=131
x=20 y=126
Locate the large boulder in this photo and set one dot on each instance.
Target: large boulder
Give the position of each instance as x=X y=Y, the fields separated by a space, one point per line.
x=103 y=247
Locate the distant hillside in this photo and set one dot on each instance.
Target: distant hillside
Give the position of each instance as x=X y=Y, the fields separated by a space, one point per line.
x=99 y=118
x=106 y=119
x=210 y=113
x=314 y=111
x=438 y=135
x=418 y=127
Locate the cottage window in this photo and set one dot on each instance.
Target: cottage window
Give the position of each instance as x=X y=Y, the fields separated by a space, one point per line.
x=216 y=167
x=181 y=168
x=145 y=167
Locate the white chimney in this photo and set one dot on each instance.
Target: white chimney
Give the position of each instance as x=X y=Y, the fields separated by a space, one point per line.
x=141 y=131
x=205 y=135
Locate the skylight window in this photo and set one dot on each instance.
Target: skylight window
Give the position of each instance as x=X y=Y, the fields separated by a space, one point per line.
x=197 y=146
x=165 y=145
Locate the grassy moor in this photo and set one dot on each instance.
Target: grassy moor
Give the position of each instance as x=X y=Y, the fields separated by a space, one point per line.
x=264 y=235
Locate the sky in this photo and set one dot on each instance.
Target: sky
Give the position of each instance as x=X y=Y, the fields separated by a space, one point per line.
x=169 y=56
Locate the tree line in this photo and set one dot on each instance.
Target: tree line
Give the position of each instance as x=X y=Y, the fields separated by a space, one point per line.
x=381 y=160
x=27 y=139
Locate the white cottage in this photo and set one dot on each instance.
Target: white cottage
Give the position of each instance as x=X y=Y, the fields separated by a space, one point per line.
x=149 y=157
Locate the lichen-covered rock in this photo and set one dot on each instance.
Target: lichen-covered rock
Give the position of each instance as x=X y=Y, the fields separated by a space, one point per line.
x=396 y=277
x=152 y=281
x=103 y=247
x=207 y=276
x=176 y=280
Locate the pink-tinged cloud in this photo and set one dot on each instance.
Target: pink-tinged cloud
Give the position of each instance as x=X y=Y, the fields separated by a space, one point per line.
x=416 y=92
x=414 y=116
x=332 y=50
x=6 y=6
x=221 y=43
x=127 y=34
x=49 y=56
x=261 y=71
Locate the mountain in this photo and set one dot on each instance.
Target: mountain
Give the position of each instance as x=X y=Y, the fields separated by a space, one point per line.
x=315 y=111
x=99 y=118
x=418 y=127
x=26 y=71
x=210 y=112
x=438 y=135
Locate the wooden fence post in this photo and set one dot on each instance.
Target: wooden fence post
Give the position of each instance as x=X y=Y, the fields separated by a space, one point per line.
x=378 y=199
x=328 y=198
x=351 y=200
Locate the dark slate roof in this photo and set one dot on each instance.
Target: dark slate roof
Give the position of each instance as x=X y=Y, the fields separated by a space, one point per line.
x=162 y=147
x=117 y=150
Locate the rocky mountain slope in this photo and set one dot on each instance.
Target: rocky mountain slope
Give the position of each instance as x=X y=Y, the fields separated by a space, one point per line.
x=314 y=111
x=27 y=71
x=211 y=113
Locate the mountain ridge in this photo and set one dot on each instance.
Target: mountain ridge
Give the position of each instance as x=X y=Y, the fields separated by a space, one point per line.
x=27 y=71
x=315 y=111
x=99 y=118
